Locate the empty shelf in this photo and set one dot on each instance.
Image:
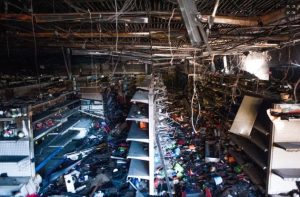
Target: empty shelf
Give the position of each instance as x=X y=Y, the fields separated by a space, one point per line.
x=69 y=113
x=289 y=146
x=258 y=141
x=66 y=103
x=251 y=150
x=46 y=102
x=6 y=119
x=141 y=96
x=13 y=181
x=137 y=151
x=145 y=85
x=288 y=174
x=64 y=139
x=12 y=159
x=259 y=127
x=138 y=169
x=92 y=114
x=134 y=116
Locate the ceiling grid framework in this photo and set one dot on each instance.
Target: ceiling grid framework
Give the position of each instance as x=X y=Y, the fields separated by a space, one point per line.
x=239 y=26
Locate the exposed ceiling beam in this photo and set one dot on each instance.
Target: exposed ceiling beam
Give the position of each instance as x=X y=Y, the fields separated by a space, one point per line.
x=258 y=38
x=128 y=17
x=142 y=46
x=150 y=34
x=142 y=17
x=266 y=19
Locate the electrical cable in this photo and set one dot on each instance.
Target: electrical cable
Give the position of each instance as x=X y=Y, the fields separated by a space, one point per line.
x=117 y=32
x=295 y=91
x=35 y=49
x=92 y=41
x=194 y=95
x=76 y=8
x=169 y=36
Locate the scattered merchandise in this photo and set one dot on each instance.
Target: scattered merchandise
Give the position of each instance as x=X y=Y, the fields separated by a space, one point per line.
x=144 y=140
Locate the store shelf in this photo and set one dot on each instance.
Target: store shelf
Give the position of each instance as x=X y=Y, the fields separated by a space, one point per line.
x=289 y=146
x=69 y=113
x=137 y=135
x=255 y=174
x=43 y=116
x=64 y=139
x=258 y=126
x=138 y=169
x=66 y=104
x=246 y=115
x=258 y=141
x=6 y=119
x=251 y=150
x=68 y=124
x=288 y=174
x=8 y=184
x=134 y=116
x=12 y=158
x=52 y=100
x=49 y=113
x=141 y=97
x=145 y=85
x=91 y=114
x=39 y=134
x=137 y=151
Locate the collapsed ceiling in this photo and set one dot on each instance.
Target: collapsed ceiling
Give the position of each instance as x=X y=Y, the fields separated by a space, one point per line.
x=152 y=31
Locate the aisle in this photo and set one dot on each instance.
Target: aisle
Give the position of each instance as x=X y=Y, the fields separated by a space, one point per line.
x=198 y=163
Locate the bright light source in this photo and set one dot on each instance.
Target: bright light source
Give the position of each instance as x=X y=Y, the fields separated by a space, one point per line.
x=256 y=64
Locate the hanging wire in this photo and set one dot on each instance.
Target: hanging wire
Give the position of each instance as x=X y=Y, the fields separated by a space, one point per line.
x=169 y=36
x=92 y=41
x=35 y=49
x=295 y=90
x=194 y=96
x=117 y=31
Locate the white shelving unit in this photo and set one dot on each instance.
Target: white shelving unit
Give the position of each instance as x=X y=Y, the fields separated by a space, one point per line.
x=284 y=153
x=250 y=132
x=271 y=143
x=141 y=150
x=16 y=157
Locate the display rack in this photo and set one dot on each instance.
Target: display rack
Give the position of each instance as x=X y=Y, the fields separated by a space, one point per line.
x=273 y=147
x=16 y=154
x=284 y=169
x=50 y=139
x=250 y=132
x=141 y=150
x=162 y=142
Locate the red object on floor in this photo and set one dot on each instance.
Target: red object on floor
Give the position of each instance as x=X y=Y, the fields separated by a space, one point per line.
x=180 y=142
x=32 y=195
x=207 y=192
